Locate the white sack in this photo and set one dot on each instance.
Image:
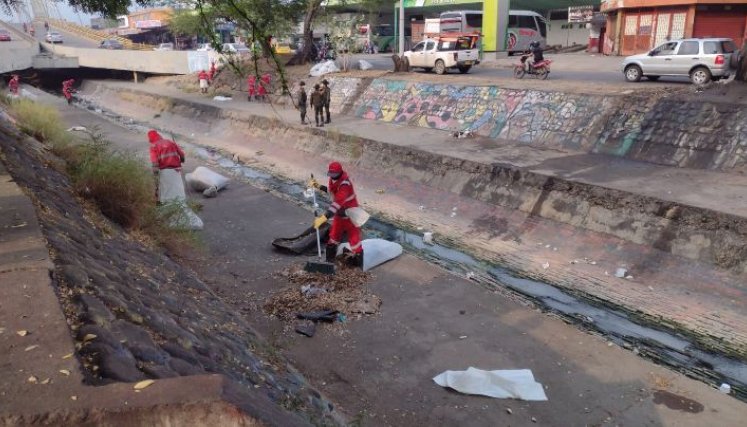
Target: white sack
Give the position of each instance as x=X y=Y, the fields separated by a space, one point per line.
x=222 y=98
x=171 y=190
x=357 y=216
x=203 y=178
x=375 y=251
x=170 y=186
x=365 y=65
x=323 y=68
x=379 y=251
x=503 y=384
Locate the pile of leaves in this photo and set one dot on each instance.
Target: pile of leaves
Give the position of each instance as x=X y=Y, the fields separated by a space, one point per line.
x=345 y=291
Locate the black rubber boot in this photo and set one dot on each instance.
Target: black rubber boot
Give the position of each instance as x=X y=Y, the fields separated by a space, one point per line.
x=357 y=260
x=330 y=251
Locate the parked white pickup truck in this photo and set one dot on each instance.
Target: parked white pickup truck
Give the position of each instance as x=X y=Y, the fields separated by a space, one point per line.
x=445 y=52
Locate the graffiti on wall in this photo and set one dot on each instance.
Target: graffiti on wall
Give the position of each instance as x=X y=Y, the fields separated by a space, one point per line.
x=662 y=131
x=518 y=115
x=342 y=92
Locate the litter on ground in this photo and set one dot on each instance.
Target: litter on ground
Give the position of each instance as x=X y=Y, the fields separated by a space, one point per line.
x=501 y=384
x=340 y=292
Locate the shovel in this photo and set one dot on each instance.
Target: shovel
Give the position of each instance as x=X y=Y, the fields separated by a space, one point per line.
x=320 y=266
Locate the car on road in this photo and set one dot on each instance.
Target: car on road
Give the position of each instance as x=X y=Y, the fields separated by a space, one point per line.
x=205 y=47
x=284 y=49
x=165 y=46
x=702 y=60
x=4 y=36
x=53 y=37
x=236 y=48
x=111 y=44
x=445 y=52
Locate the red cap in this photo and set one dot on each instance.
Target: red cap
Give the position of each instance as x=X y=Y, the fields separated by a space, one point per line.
x=334 y=169
x=153 y=136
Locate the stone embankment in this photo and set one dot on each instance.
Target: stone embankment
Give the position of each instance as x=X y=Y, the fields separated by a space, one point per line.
x=505 y=201
x=134 y=314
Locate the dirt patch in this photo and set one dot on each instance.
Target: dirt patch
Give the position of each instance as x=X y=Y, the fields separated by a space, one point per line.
x=345 y=291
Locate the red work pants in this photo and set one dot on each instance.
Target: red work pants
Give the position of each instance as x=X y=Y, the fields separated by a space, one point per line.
x=343 y=225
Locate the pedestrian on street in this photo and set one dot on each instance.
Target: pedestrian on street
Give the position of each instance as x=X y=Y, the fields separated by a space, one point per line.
x=14 y=84
x=203 y=79
x=317 y=101
x=166 y=159
x=46 y=26
x=327 y=98
x=343 y=198
x=25 y=28
x=302 y=102
x=67 y=90
x=251 y=82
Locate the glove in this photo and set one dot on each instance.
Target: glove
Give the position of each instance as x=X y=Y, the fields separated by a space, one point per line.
x=313 y=183
x=318 y=221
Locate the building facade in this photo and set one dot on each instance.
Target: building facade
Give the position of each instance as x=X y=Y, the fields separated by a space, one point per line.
x=637 y=26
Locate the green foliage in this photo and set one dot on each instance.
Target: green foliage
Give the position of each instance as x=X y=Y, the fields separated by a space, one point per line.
x=40 y=121
x=190 y=23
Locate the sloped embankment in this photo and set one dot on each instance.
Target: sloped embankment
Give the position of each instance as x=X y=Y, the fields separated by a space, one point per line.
x=134 y=313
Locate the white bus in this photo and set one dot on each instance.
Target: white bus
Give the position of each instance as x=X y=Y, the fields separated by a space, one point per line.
x=524 y=27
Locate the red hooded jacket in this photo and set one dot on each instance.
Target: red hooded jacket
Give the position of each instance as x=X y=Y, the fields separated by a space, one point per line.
x=164 y=153
x=343 y=194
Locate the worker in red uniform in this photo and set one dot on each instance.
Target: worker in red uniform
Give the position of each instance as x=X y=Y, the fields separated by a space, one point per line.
x=262 y=86
x=166 y=159
x=14 y=84
x=251 y=83
x=343 y=197
x=67 y=90
x=212 y=72
x=203 y=78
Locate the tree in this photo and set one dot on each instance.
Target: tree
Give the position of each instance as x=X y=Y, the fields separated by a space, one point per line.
x=311 y=11
x=343 y=38
x=742 y=66
x=189 y=23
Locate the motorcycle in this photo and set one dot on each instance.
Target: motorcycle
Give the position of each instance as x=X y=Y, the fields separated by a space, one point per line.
x=540 y=70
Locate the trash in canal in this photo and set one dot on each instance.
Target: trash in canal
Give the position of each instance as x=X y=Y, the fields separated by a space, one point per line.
x=500 y=384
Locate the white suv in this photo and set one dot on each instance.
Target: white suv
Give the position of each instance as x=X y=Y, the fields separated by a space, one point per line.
x=702 y=60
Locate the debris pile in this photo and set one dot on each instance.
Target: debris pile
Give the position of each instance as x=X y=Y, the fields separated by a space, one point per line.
x=343 y=292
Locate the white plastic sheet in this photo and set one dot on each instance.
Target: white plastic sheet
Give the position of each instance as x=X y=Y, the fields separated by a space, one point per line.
x=203 y=178
x=365 y=65
x=323 y=68
x=502 y=384
x=222 y=98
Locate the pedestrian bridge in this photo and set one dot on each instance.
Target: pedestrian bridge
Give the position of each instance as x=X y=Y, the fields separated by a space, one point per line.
x=25 y=52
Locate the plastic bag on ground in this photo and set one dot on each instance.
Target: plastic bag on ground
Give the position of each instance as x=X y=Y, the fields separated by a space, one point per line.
x=203 y=178
x=365 y=65
x=503 y=384
x=323 y=68
x=222 y=98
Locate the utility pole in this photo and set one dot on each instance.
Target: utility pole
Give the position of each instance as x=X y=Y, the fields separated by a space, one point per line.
x=401 y=27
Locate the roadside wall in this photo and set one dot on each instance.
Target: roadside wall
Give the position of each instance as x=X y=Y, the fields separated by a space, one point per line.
x=651 y=129
x=158 y=62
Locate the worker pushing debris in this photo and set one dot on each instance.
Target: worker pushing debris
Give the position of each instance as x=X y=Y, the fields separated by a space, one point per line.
x=347 y=216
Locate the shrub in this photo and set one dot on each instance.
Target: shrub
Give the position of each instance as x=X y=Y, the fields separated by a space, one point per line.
x=115 y=180
x=40 y=121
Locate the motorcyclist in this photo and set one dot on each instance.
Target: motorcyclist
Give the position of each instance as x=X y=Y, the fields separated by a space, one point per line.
x=535 y=49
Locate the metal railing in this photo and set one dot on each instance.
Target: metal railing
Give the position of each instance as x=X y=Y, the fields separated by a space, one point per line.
x=95 y=35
